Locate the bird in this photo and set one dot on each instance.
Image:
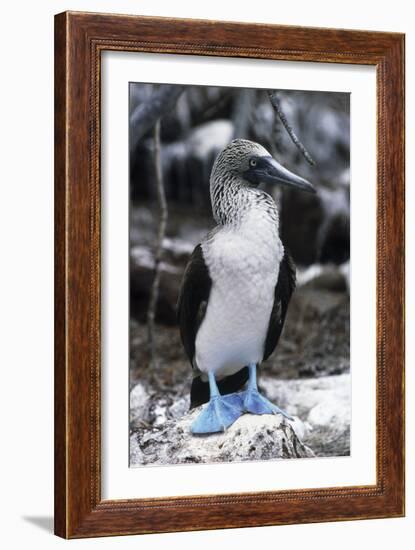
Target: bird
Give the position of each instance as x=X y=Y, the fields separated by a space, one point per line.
x=236 y=288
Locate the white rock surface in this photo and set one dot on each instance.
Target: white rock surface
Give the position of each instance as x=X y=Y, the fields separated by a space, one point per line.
x=139 y=405
x=320 y=406
x=324 y=407
x=320 y=401
x=249 y=438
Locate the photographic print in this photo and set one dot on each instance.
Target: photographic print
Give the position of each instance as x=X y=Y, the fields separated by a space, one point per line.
x=239 y=274
x=204 y=241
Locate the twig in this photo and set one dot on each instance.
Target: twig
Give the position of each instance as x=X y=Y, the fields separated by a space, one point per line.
x=162 y=203
x=275 y=102
x=146 y=114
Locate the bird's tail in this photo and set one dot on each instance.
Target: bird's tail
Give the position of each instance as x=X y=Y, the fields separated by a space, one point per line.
x=200 y=393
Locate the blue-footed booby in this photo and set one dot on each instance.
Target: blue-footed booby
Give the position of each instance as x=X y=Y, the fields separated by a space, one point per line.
x=236 y=287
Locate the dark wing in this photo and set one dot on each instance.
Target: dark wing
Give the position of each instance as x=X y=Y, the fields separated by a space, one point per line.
x=283 y=290
x=193 y=299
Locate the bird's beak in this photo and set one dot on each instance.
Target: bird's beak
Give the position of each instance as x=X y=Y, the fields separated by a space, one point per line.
x=271 y=171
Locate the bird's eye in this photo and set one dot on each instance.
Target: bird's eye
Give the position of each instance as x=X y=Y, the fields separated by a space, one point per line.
x=252 y=162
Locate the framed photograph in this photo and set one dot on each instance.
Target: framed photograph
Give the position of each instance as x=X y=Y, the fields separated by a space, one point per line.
x=229 y=275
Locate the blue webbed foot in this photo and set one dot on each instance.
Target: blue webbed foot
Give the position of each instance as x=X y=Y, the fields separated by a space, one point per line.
x=256 y=403
x=219 y=414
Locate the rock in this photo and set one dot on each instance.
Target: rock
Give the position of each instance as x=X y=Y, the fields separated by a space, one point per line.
x=149 y=408
x=141 y=280
x=345 y=269
x=301 y=237
x=335 y=229
x=186 y=163
x=178 y=249
x=321 y=408
x=180 y=407
x=324 y=405
x=249 y=438
x=324 y=277
x=316 y=338
x=305 y=397
x=139 y=405
x=322 y=232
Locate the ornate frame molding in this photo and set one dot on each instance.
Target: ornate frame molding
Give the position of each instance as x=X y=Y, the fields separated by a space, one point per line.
x=79 y=40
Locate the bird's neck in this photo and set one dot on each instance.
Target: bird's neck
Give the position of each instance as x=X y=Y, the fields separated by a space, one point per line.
x=234 y=204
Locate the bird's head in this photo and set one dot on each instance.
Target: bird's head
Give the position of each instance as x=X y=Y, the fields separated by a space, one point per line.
x=252 y=164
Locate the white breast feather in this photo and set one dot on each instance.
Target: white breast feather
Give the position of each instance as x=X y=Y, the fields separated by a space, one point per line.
x=243 y=264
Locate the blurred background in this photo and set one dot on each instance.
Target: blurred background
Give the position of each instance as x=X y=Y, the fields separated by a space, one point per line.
x=195 y=124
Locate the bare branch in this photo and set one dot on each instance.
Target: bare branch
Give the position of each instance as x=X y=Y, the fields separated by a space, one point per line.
x=146 y=114
x=162 y=202
x=275 y=102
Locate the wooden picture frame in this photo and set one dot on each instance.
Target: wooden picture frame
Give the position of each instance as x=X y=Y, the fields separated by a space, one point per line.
x=79 y=40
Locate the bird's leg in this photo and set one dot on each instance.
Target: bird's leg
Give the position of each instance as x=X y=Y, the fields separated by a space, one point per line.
x=256 y=403
x=219 y=413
